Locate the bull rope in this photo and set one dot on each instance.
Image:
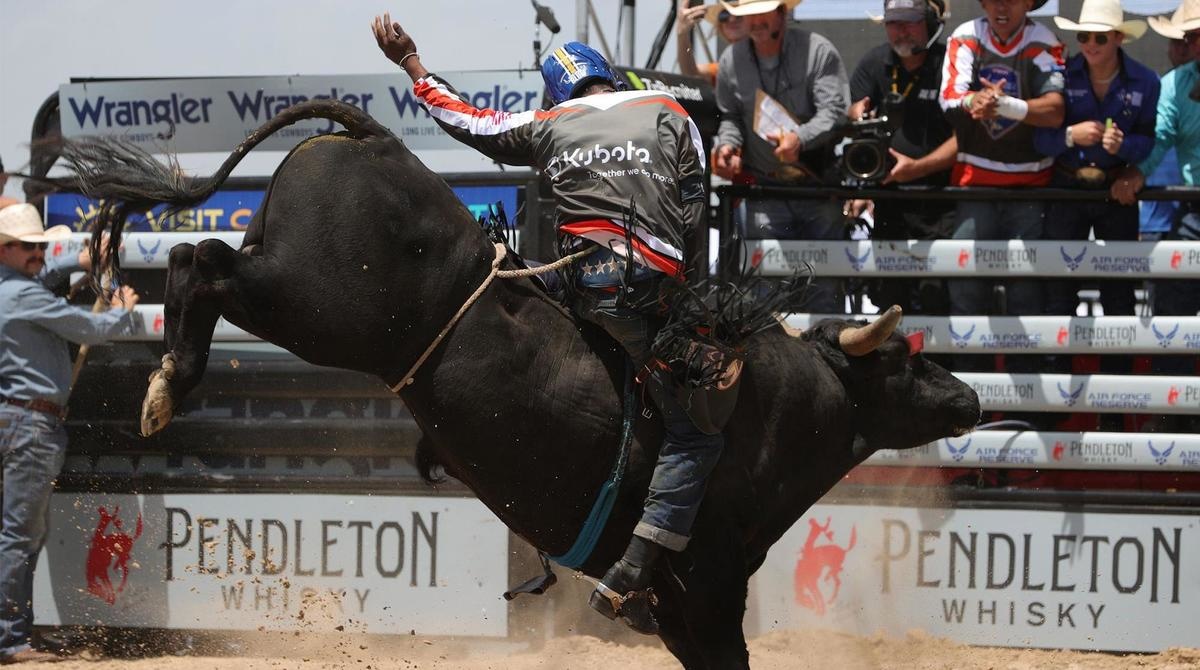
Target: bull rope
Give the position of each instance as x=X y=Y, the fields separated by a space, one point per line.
x=501 y=252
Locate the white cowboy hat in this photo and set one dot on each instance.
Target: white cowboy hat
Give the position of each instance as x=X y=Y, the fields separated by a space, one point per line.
x=1174 y=27
x=1101 y=16
x=21 y=223
x=749 y=7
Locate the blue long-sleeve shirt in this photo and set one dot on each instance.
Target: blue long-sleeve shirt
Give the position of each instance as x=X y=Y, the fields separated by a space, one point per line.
x=1178 y=124
x=1130 y=102
x=35 y=326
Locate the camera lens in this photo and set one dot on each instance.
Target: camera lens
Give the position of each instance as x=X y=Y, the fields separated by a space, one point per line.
x=864 y=160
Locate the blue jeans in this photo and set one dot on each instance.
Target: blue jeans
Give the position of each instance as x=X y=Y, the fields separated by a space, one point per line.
x=801 y=220
x=687 y=455
x=996 y=220
x=33 y=447
x=1071 y=221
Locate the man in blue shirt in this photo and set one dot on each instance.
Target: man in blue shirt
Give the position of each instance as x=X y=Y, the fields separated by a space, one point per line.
x=1179 y=127
x=1109 y=124
x=35 y=380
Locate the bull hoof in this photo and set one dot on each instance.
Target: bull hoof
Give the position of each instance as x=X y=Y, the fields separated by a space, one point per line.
x=158 y=407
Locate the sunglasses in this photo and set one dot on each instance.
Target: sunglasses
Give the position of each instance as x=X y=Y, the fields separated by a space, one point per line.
x=29 y=246
x=725 y=16
x=1101 y=38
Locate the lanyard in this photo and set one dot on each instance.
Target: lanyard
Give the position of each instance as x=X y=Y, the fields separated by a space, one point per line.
x=907 y=89
x=780 y=71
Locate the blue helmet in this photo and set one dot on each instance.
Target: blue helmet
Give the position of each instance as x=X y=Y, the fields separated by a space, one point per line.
x=573 y=65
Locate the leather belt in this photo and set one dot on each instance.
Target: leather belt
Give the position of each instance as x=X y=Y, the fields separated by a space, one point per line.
x=38 y=405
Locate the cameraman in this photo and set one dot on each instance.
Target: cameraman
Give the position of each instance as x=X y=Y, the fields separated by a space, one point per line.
x=900 y=80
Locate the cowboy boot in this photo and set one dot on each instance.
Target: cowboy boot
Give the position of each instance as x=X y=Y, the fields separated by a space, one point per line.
x=624 y=590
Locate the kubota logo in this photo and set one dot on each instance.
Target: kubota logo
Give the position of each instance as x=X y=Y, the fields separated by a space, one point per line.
x=110 y=553
x=1058 y=450
x=58 y=249
x=1172 y=396
x=158 y=323
x=819 y=569
x=756 y=258
x=1063 y=335
x=964 y=257
x=1176 y=260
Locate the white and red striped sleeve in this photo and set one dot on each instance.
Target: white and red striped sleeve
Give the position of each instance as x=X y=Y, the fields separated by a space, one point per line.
x=958 y=69
x=503 y=136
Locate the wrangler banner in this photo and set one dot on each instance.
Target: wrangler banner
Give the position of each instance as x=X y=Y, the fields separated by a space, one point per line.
x=201 y=114
x=1017 y=578
x=374 y=564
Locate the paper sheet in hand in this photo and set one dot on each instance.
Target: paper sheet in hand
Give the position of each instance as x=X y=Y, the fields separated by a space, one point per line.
x=770 y=117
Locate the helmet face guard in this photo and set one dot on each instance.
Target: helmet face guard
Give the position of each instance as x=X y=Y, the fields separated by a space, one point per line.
x=572 y=66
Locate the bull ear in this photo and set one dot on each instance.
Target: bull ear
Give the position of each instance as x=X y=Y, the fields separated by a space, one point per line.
x=860 y=341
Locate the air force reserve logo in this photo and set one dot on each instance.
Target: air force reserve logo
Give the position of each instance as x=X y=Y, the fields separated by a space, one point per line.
x=1073 y=262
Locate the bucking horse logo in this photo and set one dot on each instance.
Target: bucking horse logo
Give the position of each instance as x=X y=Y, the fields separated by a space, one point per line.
x=110 y=552
x=820 y=565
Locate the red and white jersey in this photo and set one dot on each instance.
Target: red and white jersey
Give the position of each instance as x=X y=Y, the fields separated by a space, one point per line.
x=601 y=153
x=999 y=152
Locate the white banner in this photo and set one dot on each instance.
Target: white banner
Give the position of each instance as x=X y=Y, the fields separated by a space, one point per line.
x=1085 y=393
x=1042 y=334
x=143 y=251
x=1017 y=578
x=374 y=564
x=973 y=258
x=1168 y=452
x=182 y=115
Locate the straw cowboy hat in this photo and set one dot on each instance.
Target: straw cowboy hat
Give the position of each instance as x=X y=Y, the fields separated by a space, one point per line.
x=1185 y=18
x=1101 y=16
x=21 y=223
x=749 y=7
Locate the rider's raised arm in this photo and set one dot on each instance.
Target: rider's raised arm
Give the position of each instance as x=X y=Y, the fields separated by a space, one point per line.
x=501 y=136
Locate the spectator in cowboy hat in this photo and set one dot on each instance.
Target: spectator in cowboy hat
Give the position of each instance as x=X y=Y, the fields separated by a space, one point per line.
x=1178 y=126
x=1109 y=124
x=803 y=71
x=731 y=28
x=1003 y=77
x=35 y=376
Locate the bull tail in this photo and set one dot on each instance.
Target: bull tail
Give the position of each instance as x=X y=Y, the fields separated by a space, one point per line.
x=127 y=179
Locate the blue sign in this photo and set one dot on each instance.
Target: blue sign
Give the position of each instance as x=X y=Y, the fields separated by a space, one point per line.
x=232 y=210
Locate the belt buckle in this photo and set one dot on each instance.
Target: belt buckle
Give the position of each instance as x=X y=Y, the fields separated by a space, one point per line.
x=1091 y=176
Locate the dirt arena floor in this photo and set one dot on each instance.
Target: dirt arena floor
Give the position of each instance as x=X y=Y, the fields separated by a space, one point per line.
x=775 y=651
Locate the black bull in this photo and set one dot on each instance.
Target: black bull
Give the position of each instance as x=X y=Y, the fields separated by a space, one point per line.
x=357 y=258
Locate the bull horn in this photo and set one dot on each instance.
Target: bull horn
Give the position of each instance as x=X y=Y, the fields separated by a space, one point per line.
x=860 y=341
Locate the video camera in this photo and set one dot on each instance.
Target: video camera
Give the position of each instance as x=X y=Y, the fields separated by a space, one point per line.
x=865 y=158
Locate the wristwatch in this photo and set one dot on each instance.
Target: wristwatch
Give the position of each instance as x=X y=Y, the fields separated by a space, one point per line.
x=1070 y=140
